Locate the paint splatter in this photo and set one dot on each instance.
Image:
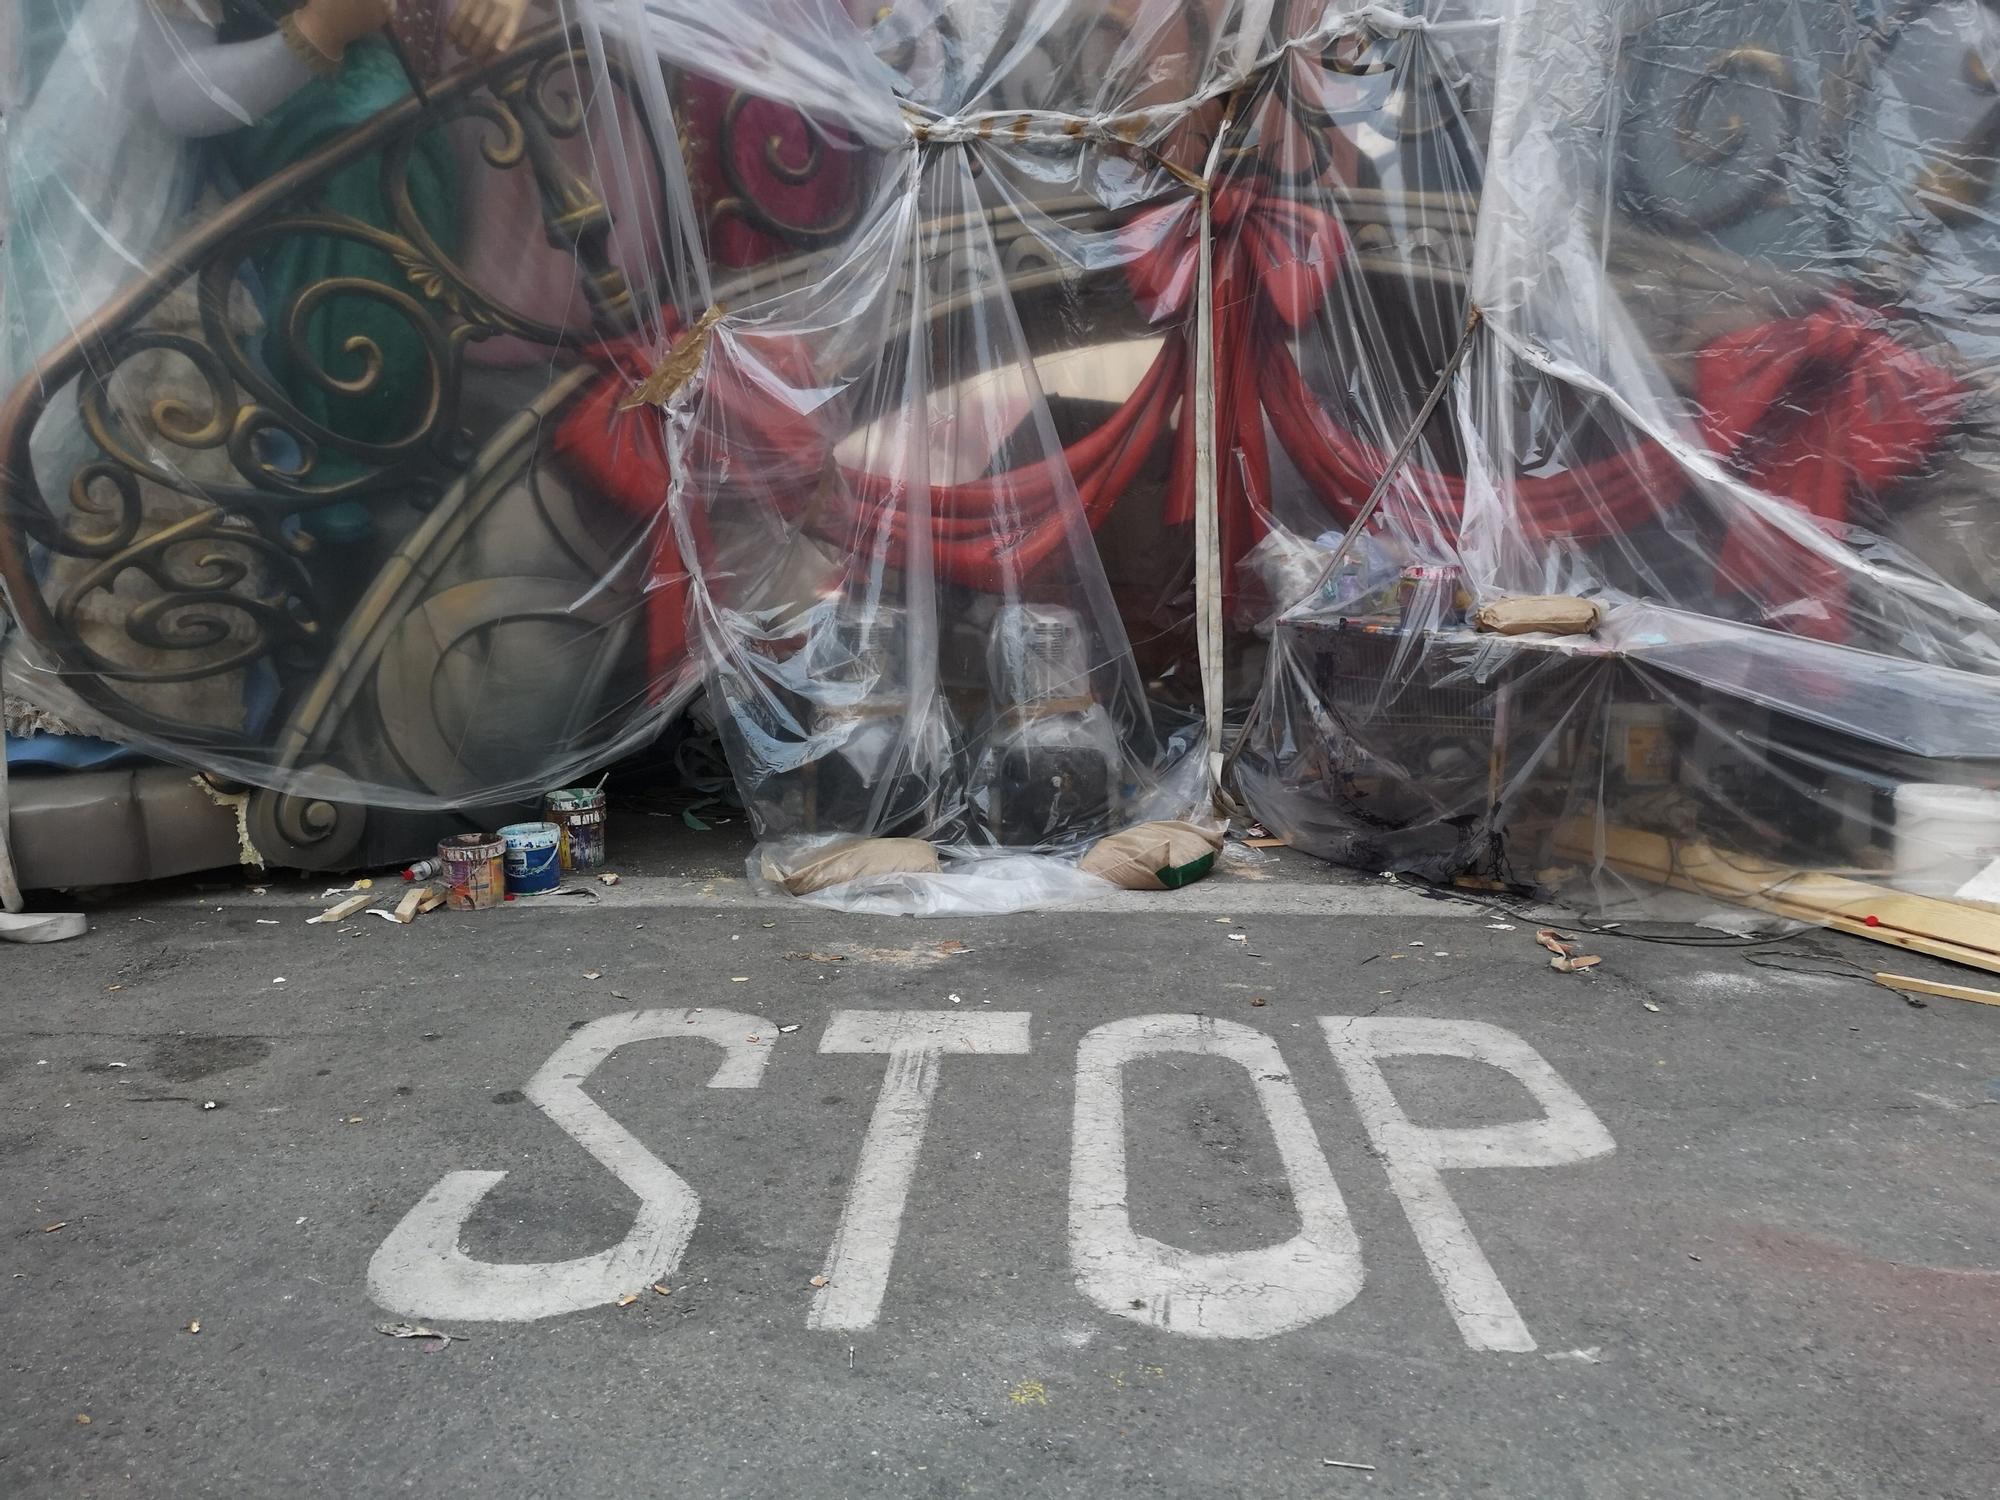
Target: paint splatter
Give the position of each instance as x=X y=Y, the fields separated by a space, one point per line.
x=1029 y=1393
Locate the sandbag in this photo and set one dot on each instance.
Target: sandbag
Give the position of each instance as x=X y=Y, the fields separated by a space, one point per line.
x=1553 y=614
x=1155 y=856
x=817 y=869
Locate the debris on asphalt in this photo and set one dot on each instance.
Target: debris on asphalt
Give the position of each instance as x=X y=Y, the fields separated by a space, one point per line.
x=628 y=1299
x=415 y=1331
x=194 y=1325
x=1594 y=1355
x=364 y=884
x=739 y=978
x=593 y=973
x=210 y=1104
x=1556 y=942
x=788 y=1030
x=956 y=999
x=1341 y=1463
x=412 y=903
x=818 y=958
x=341 y=911
x=819 y=1281
x=261 y=922
x=663 y=1289
x=1258 y=1000
x=1563 y=963
x=1499 y=926
x=83 y=1419
x=387 y=916
x=279 y=980
x=607 y=878
x=1239 y=937
x=1649 y=1005
x=52 y=1228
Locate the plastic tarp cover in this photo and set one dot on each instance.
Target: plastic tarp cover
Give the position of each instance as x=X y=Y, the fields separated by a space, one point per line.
x=1002 y=409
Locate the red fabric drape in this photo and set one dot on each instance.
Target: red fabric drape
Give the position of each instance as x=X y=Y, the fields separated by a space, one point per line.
x=1817 y=410
x=621 y=456
x=1814 y=409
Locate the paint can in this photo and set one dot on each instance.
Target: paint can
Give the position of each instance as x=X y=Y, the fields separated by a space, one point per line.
x=1945 y=835
x=580 y=812
x=533 y=868
x=475 y=871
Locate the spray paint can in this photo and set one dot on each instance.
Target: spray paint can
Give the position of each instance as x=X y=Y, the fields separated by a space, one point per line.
x=583 y=816
x=425 y=869
x=532 y=861
x=475 y=871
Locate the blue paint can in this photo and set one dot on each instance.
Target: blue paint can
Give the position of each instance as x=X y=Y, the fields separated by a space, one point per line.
x=534 y=865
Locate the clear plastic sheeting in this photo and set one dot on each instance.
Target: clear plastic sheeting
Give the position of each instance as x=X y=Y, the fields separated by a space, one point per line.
x=966 y=883
x=1727 y=378
x=1014 y=414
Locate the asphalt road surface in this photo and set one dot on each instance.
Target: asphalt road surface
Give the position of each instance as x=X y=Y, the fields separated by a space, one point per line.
x=738 y=1199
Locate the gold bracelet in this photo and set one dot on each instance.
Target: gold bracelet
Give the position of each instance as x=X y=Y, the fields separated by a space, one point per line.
x=305 y=48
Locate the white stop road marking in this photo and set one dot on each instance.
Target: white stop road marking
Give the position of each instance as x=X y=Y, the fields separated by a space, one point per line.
x=1416 y=1159
x=420 y=1270
x=1240 y=1294
x=917 y=1041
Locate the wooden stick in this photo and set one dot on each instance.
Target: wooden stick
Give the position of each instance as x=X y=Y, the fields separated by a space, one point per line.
x=1949 y=930
x=1932 y=987
x=412 y=903
x=344 y=910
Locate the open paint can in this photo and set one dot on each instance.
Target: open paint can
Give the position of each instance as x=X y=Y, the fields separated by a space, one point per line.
x=580 y=812
x=533 y=866
x=475 y=871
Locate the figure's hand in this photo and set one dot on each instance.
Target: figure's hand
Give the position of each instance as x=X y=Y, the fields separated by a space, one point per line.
x=331 y=24
x=483 y=29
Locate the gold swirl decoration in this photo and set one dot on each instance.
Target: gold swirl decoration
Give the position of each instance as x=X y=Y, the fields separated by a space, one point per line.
x=241 y=454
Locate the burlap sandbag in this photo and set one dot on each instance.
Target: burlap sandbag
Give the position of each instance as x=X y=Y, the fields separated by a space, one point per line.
x=1155 y=856
x=1555 y=614
x=844 y=862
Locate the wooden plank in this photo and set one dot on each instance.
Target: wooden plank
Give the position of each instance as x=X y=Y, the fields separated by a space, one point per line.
x=1932 y=987
x=344 y=910
x=1919 y=924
